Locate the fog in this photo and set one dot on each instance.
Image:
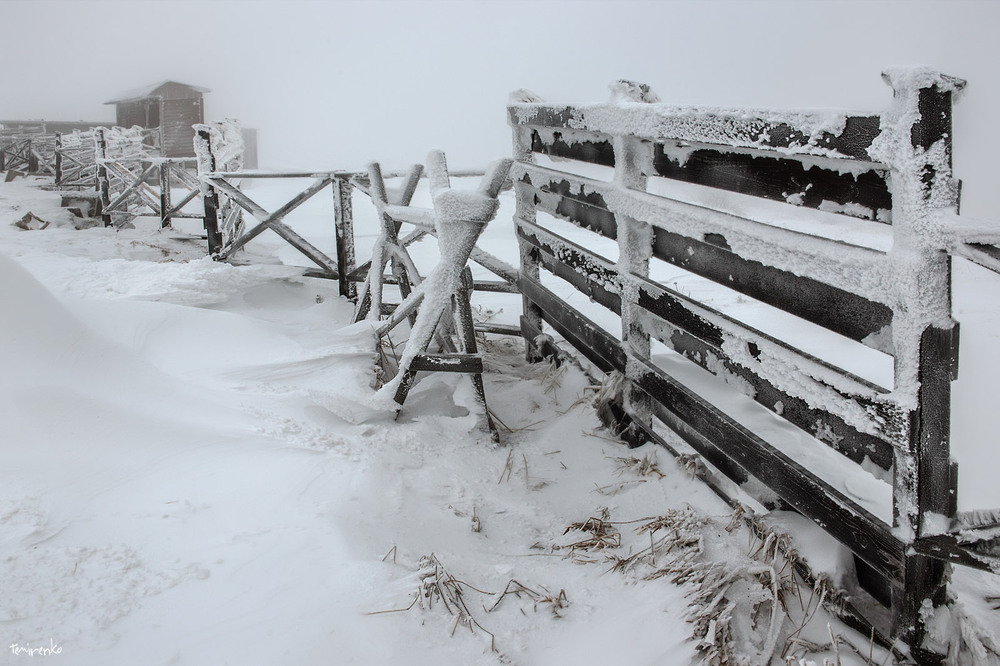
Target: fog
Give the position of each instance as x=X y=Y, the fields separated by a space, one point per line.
x=337 y=84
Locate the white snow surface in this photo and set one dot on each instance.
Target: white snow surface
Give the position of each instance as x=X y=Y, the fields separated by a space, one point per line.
x=193 y=473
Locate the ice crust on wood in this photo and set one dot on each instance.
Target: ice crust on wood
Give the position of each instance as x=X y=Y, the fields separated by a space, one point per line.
x=224 y=150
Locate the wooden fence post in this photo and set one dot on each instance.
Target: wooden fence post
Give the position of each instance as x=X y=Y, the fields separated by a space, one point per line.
x=165 y=203
x=32 y=158
x=343 y=213
x=525 y=210
x=633 y=157
x=210 y=197
x=917 y=146
x=103 y=186
x=58 y=157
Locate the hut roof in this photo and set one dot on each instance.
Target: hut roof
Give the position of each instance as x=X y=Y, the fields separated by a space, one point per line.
x=156 y=90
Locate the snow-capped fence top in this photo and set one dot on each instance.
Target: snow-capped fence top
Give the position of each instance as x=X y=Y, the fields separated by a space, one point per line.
x=872 y=266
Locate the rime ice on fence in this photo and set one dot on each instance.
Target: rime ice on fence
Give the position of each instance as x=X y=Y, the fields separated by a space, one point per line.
x=218 y=147
x=894 y=301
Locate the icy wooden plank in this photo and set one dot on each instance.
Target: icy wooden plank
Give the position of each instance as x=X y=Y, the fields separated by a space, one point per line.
x=820 y=183
x=583 y=146
x=827 y=133
x=837 y=408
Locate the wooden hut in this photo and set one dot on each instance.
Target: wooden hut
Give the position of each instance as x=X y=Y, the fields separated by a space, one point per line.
x=170 y=106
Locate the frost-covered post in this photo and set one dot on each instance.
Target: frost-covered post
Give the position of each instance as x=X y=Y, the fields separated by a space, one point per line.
x=916 y=144
x=343 y=214
x=633 y=158
x=165 y=202
x=58 y=157
x=103 y=186
x=32 y=157
x=206 y=165
x=525 y=210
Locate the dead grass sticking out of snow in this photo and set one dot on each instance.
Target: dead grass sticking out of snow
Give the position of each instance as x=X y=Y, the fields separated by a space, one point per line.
x=439 y=588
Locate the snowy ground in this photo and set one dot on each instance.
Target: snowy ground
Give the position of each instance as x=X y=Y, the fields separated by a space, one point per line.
x=192 y=474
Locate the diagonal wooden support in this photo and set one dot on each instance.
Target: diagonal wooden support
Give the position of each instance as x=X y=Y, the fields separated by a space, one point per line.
x=136 y=189
x=388 y=248
x=273 y=221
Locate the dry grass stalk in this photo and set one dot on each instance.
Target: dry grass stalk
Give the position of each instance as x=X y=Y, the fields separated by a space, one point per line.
x=508 y=467
x=603 y=534
x=645 y=466
x=613 y=489
x=437 y=585
x=734 y=608
x=692 y=464
x=555 y=602
x=553 y=377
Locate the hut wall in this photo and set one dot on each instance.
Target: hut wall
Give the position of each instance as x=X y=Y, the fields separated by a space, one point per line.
x=177 y=117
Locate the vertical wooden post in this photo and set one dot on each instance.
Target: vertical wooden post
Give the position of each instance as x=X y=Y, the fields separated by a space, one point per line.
x=530 y=262
x=633 y=158
x=343 y=213
x=32 y=158
x=211 y=199
x=103 y=186
x=916 y=144
x=165 y=203
x=58 y=156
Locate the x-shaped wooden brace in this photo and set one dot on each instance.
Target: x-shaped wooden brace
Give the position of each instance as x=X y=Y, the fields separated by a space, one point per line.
x=137 y=189
x=388 y=248
x=443 y=297
x=267 y=220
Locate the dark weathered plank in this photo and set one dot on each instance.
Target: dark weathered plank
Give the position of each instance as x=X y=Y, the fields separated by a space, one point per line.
x=456 y=362
x=558 y=198
x=590 y=274
x=837 y=310
x=864 y=195
x=573 y=146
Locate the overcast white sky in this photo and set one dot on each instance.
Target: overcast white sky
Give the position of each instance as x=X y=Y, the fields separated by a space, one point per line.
x=336 y=84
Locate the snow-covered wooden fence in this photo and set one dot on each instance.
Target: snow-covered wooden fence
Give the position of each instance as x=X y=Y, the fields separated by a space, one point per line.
x=76 y=160
x=224 y=199
x=27 y=150
x=629 y=171
x=133 y=180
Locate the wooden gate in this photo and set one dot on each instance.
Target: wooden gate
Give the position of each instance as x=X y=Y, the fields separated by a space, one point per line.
x=629 y=171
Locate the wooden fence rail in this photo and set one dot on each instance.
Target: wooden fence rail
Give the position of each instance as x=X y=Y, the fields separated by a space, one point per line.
x=890 y=173
x=225 y=200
